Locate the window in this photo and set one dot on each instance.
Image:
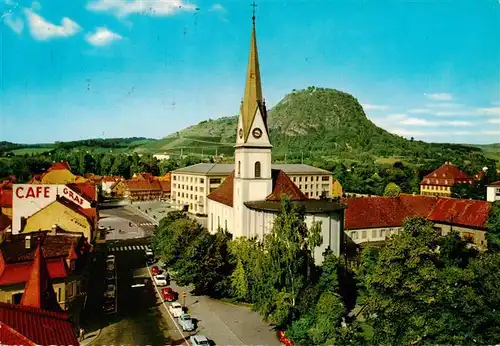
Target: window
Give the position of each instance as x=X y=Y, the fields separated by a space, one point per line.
x=300 y=178
x=215 y=181
x=305 y=179
x=225 y=225
x=175 y=177
x=239 y=168
x=381 y=233
x=59 y=294
x=363 y=235
x=202 y=189
x=374 y=233
x=325 y=178
x=218 y=221
x=257 y=169
x=212 y=222
x=317 y=178
x=70 y=290
x=306 y=185
x=202 y=180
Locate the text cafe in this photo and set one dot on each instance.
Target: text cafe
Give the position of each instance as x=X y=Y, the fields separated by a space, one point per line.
x=48 y=193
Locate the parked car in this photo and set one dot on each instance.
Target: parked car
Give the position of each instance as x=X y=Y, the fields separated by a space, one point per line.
x=109 y=306
x=110 y=291
x=110 y=264
x=110 y=257
x=160 y=280
x=176 y=309
x=110 y=274
x=283 y=338
x=199 y=340
x=168 y=294
x=186 y=323
x=155 y=270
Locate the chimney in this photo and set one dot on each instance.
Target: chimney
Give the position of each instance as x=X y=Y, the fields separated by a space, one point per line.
x=27 y=242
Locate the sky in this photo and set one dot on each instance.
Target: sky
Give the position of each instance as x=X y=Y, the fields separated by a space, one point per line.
x=70 y=70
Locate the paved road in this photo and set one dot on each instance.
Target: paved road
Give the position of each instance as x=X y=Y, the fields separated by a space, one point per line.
x=119 y=218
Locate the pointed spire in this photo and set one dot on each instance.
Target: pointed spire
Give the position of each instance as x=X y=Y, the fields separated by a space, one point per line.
x=253 y=88
x=39 y=292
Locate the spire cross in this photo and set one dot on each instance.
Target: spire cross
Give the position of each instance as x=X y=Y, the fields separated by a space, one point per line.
x=254 y=5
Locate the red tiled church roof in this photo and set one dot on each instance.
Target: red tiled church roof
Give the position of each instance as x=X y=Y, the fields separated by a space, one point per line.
x=16 y=273
x=38 y=326
x=378 y=212
x=464 y=212
x=39 y=292
x=282 y=185
x=224 y=193
x=446 y=175
x=59 y=166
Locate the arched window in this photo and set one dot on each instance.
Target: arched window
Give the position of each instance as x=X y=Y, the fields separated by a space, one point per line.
x=239 y=168
x=257 y=169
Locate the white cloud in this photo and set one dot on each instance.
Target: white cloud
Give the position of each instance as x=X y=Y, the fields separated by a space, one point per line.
x=444 y=105
x=145 y=7
x=370 y=107
x=487 y=111
x=16 y=24
x=102 y=37
x=43 y=30
x=491 y=132
x=396 y=116
x=415 y=121
x=439 y=96
x=457 y=123
x=494 y=121
x=217 y=8
x=419 y=111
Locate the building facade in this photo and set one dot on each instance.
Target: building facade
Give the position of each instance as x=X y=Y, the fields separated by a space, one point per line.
x=375 y=219
x=191 y=185
x=440 y=181
x=493 y=192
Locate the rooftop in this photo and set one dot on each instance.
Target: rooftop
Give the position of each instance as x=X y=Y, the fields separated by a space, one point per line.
x=227 y=168
x=311 y=206
x=36 y=325
x=447 y=175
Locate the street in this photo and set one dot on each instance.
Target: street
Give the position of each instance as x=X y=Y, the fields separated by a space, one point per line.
x=142 y=318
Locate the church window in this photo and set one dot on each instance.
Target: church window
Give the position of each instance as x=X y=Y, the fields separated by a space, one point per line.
x=239 y=168
x=305 y=179
x=300 y=178
x=218 y=221
x=257 y=169
x=212 y=222
x=225 y=225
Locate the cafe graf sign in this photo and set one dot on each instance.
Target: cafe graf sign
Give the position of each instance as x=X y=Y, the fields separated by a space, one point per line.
x=30 y=198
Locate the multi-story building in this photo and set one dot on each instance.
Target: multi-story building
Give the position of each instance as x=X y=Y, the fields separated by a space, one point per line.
x=191 y=185
x=493 y=192
x=440 y=181
x=374 y=219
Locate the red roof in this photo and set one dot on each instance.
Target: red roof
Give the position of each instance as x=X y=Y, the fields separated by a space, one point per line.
x=165 y=185
x=10 y=336
x=39 y=292
x=40 y=326
x=464 y=212
x=6 y=197
x=224 y=193
x=143 y=176
x=496 y=183
x=374 y=212
x=446 y=175
x=282 y=185
x=86 y=190
x=59 y=166
x=110 y=179
x=16 y=273
x=142 y=185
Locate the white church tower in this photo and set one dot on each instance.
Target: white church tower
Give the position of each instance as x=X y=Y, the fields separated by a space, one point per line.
x=252 y=171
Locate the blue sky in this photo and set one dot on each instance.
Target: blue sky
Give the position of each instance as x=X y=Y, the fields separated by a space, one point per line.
x=118 y=68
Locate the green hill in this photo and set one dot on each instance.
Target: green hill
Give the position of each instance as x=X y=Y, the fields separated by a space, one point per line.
x=321 y=124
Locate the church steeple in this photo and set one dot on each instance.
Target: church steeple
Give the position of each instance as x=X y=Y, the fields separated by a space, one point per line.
x=252 y=99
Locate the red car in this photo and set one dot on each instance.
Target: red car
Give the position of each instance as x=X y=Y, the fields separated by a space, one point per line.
x=168 y=294
x=155 y=270
x=284 y=339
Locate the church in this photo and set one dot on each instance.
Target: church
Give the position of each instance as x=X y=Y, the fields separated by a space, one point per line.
x=249 y=199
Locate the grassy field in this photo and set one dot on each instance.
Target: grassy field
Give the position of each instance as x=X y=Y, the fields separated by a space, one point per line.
x=196 y=145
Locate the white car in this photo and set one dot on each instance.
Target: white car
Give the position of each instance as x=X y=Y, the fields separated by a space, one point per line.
x=110 y=258
x=176 y=309
x=160 y=280
x=110 y=291
x=199 y=340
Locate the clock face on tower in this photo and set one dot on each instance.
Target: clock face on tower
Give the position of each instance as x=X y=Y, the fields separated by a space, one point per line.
x=241 y=133
x=257 y=133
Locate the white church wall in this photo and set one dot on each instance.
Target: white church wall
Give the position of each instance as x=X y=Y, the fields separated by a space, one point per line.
x=331 y=232
x=219 y=215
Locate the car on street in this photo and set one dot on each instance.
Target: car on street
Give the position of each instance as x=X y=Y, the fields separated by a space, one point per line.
x=110 y=264
x=186 y=323
x=155 y=270
x=160 y=280
x=110 y=257
x=150 y=257
x=110 y=274
x=176 y=309
x=199 y=340
x=110 y=291
x=109 y=306
x=168 y=294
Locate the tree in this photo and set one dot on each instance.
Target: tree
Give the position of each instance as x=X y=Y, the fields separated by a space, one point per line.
x=429 y=289
x=392 y=190
x=493 y=224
